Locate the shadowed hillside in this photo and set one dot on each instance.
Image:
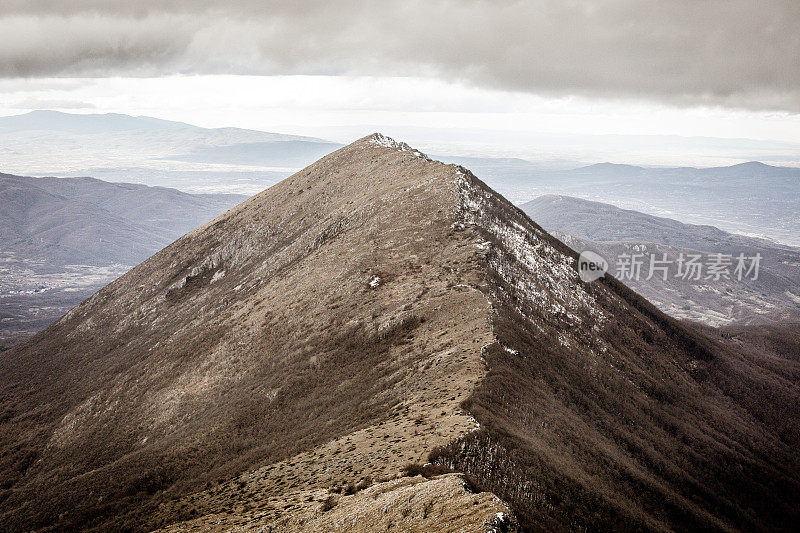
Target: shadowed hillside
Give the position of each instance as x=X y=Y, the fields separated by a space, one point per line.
x=614 y=233
x=600 y=409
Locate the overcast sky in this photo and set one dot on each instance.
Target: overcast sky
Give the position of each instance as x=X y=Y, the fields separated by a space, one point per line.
x=726 y=68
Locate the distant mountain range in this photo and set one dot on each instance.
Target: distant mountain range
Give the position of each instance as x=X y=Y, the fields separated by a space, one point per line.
x=90 y=221
x=284 y=154
x=749 y=198
x=152 y=151
x=90 y=124
x=751 y=169
x=613 y=232
x=605 y=222
x=64 y=238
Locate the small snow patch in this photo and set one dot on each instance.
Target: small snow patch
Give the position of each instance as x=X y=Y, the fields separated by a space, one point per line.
x=477 y=425
x=380 y=139
x=375 y=282
x=498 y=522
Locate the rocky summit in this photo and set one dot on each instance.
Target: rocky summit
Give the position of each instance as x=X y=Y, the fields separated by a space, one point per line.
x=382 y=342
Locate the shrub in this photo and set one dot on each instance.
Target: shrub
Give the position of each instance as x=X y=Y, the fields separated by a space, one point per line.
x=364 y=483
x=350 y=488
x=427 y=471
x=328 y=504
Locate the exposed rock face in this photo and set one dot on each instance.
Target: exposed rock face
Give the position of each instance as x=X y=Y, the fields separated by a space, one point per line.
x=334 y=327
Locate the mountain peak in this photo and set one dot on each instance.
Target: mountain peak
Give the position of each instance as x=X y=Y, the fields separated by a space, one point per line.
x=373 y=310
x=761 y=168
x=608 y=164
x=379 y=139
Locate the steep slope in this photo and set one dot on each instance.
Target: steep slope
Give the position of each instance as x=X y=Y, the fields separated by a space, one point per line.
x=346 y=322
x=338 y=303
x=601 y=410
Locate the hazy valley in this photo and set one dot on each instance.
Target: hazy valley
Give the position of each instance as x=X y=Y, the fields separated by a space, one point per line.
x=152 y=151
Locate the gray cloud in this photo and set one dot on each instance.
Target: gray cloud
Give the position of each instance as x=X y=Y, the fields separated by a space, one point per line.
x=717 y=52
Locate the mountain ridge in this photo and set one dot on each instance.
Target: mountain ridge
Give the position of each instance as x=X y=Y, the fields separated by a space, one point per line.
x=125 y=203
x=624 y=232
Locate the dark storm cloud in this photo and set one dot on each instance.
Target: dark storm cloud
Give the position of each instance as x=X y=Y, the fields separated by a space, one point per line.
x=718 y=52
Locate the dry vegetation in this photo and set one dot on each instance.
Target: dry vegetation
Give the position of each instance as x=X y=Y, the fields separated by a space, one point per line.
x=258 y=349
x=339 y=327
